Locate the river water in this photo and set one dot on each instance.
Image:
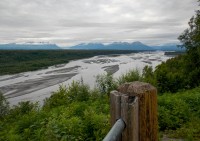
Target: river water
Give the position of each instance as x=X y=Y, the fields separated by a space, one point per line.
x=38 y=85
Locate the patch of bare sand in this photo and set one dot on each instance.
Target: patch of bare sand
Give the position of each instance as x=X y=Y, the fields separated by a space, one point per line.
x=111 y=69
x=32 y=85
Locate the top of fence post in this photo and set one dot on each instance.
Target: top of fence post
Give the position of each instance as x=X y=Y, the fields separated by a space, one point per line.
x=136 y=88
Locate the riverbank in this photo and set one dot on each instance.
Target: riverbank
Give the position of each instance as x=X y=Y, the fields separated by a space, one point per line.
x=38 y=85
x=17 y=61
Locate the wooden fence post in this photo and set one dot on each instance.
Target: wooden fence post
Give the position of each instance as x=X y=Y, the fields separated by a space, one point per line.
x=115 y=108
x=136 y=104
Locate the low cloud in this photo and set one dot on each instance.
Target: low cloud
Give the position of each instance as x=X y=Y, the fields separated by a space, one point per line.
x=67 y=22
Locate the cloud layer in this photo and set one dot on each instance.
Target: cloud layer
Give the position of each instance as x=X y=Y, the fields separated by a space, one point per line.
x=67 y=22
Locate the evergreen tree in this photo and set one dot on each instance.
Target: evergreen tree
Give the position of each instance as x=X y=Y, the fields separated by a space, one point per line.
x=190 y=39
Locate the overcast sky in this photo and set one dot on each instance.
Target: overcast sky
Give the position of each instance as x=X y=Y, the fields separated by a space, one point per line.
x=70 y=22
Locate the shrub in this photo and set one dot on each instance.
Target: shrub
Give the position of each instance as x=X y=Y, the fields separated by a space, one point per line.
x=4 y=106
x=56 y=99
x=106 y=83
x=149 y=76
x=179 y=110
x=189 y=131
x=23 y=108
x=170 y=76
x=173 y=112
x=132 y=75
x=77 y=91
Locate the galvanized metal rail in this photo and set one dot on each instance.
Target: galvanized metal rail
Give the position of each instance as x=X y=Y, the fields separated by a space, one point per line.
x=115 y=131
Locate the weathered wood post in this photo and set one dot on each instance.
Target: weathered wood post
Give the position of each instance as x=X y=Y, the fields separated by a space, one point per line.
x=136 y=104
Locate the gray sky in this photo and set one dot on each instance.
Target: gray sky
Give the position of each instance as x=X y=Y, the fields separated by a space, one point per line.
x=70 y=22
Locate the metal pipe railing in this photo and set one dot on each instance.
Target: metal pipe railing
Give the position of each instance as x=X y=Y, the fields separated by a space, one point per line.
x=115 y=131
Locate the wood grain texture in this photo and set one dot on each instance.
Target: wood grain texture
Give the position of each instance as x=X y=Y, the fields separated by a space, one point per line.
x=147 y=100
x=115 y=108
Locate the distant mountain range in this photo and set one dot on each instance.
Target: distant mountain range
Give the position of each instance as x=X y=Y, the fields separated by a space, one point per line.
x=33 y=46
x=91 y=46
x=128 y=46
x=168 y=47
x=113 y=46
x=125 y=46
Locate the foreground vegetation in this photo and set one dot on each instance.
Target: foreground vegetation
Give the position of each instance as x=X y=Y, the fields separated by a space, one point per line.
x=79 y=113
x=72 y=114
x=21 y=61
x=179 y=114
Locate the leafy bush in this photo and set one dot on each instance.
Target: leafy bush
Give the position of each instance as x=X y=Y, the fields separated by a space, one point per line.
x=189 y=131
x=148 y=75
x=180 y=112
x=173 y=112
x=132 y=75
x=170 y=75
x=57 y=98
x=23 y=108
x=4 y=106
x=77 y=91
x=72 y=113
x=106 y=83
